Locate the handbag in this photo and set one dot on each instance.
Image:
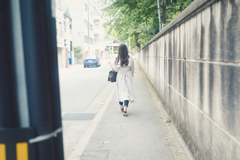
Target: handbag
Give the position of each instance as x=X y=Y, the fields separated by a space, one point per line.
x=112 y=77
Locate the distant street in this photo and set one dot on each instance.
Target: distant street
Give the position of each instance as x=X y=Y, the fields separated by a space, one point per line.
x=79 y=86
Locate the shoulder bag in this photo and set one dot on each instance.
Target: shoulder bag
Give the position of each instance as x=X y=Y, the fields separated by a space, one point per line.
x=112 y=77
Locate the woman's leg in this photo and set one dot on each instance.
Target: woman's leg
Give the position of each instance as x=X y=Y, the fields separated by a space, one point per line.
x=121 y=106
x=126 y=103
x=125 y=108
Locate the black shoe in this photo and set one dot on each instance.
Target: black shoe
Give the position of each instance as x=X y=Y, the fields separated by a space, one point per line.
x=125 y=112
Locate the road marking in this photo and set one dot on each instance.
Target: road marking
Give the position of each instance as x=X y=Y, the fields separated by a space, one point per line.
x=2 y=152
x=22 y=151
x=77 y=153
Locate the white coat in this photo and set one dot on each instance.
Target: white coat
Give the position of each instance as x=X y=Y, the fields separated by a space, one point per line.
x=124 y=89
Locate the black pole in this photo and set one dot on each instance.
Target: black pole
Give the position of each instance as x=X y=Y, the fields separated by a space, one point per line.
x=9 y=117
x=40 y=50
x=54 y=86
x=41 y=129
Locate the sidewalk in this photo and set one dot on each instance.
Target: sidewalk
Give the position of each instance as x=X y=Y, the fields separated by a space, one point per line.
x=143 y=135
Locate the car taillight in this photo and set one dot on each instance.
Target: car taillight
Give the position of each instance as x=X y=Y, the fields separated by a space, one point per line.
x=95 y=60
x=85 y=60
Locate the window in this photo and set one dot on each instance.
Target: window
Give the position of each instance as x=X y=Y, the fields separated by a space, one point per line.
x=91 y=57
x=88 y=40
x=65 y=42
x=70 y=24
x=96 y=22
x=65 y=29
x=85 y=24
x=96 y=38
x=90 y=27
x=60 y=29
x=86 y=7
x=70 y=45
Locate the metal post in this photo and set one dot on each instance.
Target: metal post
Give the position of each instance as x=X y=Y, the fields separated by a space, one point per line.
x=28 y=65
x=14 y=120
x=40 y=50
x=9 y=107
x=159 y=15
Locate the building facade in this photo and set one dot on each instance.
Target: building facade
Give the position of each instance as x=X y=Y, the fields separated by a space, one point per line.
x=98 y=29
x=64 y=35
x=68 y=34
x=87 y=30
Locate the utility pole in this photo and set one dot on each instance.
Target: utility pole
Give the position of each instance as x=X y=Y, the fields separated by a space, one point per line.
x=159 y=15
x=30 y=109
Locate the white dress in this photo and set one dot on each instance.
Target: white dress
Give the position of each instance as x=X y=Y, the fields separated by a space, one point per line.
x=124 y=81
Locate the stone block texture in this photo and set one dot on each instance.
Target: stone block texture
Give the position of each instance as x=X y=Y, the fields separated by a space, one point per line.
x=194 y=67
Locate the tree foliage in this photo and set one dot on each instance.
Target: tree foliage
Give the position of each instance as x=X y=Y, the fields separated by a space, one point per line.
x=138 y=19
x=78 y=51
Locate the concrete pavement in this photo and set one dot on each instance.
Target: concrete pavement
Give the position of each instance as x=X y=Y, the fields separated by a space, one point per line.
x=147 y=133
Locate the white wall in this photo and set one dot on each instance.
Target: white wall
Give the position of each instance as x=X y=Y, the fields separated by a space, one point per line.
x=77 y=8
x=193 y=65
x=62 y=57
x=60 y=28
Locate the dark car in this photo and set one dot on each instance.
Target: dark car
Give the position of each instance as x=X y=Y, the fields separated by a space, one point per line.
x=92 y=61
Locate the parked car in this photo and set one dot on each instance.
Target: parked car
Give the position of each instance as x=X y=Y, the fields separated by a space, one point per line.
x=92 y=61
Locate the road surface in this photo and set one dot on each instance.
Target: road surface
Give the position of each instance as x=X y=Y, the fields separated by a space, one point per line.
x=83 y=90
x=79 y=86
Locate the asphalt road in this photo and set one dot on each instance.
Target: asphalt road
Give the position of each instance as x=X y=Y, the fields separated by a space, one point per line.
x=79 y=86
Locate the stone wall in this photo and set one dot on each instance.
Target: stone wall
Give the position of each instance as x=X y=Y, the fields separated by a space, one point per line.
x=194 y=66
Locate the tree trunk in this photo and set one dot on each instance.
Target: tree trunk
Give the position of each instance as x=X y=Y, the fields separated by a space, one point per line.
x=163 y=9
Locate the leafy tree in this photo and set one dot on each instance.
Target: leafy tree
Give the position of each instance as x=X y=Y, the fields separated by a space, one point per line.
x=138 y=19
x=78 y=51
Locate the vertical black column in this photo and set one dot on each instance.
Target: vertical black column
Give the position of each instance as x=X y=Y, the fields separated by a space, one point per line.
x=40 y=51
x=8 y=95
x=36 y=38
x=54 y=82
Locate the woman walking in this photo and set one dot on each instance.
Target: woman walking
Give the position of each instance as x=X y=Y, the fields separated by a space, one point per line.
x=124 y=65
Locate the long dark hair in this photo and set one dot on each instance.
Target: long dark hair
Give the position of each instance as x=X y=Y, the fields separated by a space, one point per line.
x=122 y=55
